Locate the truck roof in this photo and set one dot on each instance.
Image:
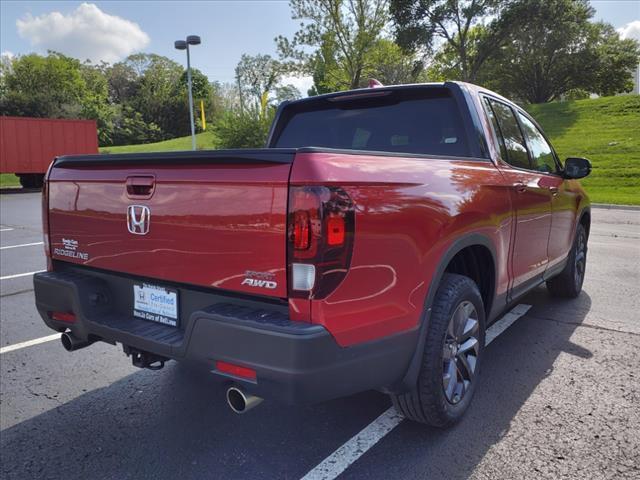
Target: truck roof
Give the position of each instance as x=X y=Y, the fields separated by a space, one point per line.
x=368 y=90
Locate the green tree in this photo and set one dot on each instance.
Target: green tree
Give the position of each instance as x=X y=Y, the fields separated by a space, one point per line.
x=225 y=98
x=385 y=61
x=340 y=32
x=389 y=64
x=130 y=128
x=445 y=63
x=5 y=69
x=141 y=99
x=95 y=101
x=286 y=92
x=327 y=75
x=259 y=81
x=615 y=60
x=156 y=95
x=122 y=79
x=151 y=89
x=202 y=90
x=423 y=24
x=56 y=86
x=257 y=77
x=200 y=86
x=557 y=51
x=38 y=86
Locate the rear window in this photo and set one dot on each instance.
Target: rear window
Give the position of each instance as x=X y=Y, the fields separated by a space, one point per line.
x=425 y=121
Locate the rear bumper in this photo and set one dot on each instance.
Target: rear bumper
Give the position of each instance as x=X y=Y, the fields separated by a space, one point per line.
x=295 y=362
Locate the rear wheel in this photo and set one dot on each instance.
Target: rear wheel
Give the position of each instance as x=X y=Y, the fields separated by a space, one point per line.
x=31 y=180
x=453 y=349
x=568 y=283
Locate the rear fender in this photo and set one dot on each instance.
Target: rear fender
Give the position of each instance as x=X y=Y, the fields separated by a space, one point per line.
x=411 y=376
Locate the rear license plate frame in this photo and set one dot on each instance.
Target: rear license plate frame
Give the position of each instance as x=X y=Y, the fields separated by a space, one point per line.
x=156 y=303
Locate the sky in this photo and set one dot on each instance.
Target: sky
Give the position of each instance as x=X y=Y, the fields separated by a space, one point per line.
x=111 y=30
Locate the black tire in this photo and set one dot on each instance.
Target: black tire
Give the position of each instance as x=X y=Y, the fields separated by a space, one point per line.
x=25 y=180
x=568 y=283
x=31 y=180
x=38 y=180
x=428 y=402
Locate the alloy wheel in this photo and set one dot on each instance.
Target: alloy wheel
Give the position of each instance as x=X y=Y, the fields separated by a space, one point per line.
x=460 y=352
x=581 y=259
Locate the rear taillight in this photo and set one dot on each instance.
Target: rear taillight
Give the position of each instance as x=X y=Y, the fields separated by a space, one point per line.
x=321 y=223
x=45 y=218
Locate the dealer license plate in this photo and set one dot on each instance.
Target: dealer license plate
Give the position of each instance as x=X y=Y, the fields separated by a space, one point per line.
x=158 y=304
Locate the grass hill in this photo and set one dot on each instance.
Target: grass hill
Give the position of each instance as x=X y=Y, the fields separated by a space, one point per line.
x=204 y=141
x=605 y=130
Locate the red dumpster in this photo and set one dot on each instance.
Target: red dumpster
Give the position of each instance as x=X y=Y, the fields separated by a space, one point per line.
x=29 y=145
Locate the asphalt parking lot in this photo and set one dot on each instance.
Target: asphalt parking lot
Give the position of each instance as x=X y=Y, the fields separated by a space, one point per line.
x=560 y=394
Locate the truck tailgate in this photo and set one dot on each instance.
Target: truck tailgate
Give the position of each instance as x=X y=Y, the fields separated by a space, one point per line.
x=213 y=219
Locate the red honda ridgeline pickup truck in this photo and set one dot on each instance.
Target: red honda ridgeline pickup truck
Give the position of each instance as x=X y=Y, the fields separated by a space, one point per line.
x=367 y=247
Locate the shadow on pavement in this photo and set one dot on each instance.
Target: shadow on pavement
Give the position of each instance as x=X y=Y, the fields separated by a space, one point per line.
x=175 y=424
x=515 y=364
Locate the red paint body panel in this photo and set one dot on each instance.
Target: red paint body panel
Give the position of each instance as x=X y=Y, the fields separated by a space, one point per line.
x=29 y=145
x=408 y=212
x=209 y=224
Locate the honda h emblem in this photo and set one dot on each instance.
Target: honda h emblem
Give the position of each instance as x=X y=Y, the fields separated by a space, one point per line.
x=138 y=218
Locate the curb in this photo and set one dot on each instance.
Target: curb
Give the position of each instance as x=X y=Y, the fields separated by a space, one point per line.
x=609 y=206
x=10 y=190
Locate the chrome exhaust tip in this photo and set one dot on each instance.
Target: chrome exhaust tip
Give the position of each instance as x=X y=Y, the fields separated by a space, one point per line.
x=70 y=342
x=241 y=402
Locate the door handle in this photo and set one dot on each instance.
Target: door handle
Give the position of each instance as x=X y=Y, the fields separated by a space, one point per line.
x=520 y=187
x=140 y=186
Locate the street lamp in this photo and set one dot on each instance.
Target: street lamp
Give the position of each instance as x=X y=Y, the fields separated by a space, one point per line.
x=184 y=45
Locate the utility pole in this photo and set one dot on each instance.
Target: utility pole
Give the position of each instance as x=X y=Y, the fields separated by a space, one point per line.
x=184 y=45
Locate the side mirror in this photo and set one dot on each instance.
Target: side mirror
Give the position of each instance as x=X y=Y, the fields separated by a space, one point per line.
x=576 y=167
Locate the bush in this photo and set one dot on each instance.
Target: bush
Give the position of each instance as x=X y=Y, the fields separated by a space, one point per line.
x=130 y=128
x=247 y=129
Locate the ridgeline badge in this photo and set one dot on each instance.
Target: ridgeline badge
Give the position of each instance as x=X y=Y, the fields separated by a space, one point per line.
x=70 y=250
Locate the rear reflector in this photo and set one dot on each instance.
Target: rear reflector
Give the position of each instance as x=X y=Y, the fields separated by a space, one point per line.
x=236 y=370
x=66 y=317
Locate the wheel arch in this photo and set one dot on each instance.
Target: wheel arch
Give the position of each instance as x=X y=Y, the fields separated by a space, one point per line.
x=584 y=219
x=459 y=246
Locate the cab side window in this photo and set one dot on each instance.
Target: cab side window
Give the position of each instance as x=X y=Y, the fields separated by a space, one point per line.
x=511 y=137
x=541 y=153
x=496 y=128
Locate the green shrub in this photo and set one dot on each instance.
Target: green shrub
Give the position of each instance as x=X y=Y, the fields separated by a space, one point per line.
x=248 y=129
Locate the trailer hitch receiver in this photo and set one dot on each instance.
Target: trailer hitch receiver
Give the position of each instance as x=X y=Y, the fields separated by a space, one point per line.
x=142 y=359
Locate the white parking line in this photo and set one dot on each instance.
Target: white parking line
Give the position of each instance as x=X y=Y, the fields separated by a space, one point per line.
x=29 y=343
x=505 y=322
x=23 y=245
x=5 y=229
x=18 y=275
x=339 y=461
x=358 y=445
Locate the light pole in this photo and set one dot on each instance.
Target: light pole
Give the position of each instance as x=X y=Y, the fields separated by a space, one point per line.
x=184 y=45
